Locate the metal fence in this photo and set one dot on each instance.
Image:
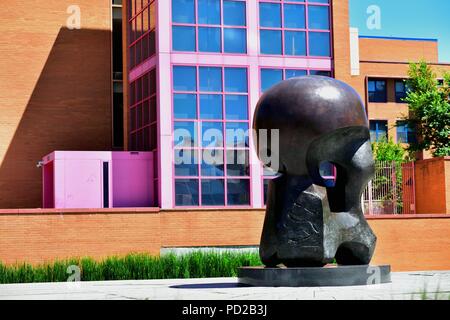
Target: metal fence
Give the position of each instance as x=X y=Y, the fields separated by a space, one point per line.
x=391 y=191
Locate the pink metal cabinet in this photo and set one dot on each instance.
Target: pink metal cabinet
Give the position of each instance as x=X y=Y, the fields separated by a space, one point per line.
x=97 y=179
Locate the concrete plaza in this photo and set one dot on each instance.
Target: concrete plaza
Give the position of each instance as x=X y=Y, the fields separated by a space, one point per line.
x=405 y=286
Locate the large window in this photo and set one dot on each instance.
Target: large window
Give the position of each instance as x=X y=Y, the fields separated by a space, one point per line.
x=211 y=123
x=141 y=21
x=377 y=90
x=270 y=77
x=142 y=119
x=406 y=133
x=142 y=116
x=209 y=26
x=401 y=90
x=294 y=28
x=378 y=130
x=117 y=67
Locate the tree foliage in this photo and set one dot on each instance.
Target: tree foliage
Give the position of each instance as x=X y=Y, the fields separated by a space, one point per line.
x=389 y=151
x=429 y=109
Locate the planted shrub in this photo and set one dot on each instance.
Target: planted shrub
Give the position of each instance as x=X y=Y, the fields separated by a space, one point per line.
x=133 y=267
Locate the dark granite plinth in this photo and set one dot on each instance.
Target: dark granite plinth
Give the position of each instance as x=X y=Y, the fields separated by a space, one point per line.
x=315 y=276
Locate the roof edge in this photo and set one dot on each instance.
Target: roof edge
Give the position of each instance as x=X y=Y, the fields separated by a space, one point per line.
x=398 y=38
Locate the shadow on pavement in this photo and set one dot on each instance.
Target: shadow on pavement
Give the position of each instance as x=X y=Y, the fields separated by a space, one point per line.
x=209 y=286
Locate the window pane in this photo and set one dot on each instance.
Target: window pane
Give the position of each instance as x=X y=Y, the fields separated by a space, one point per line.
x=236 y=107
x=186 y=192
x=184 y=78
x=380 y=85
x=186 y=163
x=270 y=41
x=237 y=134
x=378 y=130
x=320 y=73
x=183 y=38
x=153 y=14
x=211 y=106
x=235 y=40
x=326 y=169
x=405 y=133
x=319 y=44
x=270 y=77
x=318 y=17
x=266 y=189
x=185 y=106
x=238 y=163
x=319 y=1
x=234 y=13
x=209 y=39
x=295 y=43
x=185 y=134
x=213 y=192
x=377 y=91
x=183 y=11
x=212 y=134
x=238 y=192
x=236 y=80
x=210 y=79
x=400 y=91
x=208 y=11
x=295 y=73
x=269 y=15
x=399 y=86
x=212 y=163
x=294 y=16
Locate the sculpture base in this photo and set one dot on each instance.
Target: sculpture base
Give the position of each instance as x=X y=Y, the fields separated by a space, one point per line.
x=330 y=275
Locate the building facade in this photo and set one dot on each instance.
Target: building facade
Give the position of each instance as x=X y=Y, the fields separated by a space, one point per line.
x=56 y=89
x=197 y=65
x=379 y=78
x=142 y=75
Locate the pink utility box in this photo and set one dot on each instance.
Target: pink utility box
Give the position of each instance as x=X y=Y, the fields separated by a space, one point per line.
x=98 y=179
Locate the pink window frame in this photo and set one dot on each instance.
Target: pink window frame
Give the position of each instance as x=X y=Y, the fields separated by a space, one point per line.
x=198 y=148
x=140 y=128
x=307 y=30
x=284 y=69
x=132 y=21
x=222 y=26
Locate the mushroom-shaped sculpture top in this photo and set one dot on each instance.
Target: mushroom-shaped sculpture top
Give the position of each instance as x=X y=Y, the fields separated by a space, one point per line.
x=304 y=109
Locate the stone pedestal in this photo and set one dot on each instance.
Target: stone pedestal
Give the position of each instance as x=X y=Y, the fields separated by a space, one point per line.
x=315 y=276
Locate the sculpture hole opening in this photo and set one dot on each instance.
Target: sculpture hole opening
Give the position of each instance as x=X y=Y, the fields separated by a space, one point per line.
x=328 y=173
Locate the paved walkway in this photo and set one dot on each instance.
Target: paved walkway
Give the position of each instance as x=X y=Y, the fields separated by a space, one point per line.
x=405 y=285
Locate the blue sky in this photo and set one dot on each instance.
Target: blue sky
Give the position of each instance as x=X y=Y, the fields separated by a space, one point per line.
x=407 y=18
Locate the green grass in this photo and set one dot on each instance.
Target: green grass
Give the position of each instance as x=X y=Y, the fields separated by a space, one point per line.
x=133 y=266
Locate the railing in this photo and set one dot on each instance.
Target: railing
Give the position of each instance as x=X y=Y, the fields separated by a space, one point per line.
x=391 y=191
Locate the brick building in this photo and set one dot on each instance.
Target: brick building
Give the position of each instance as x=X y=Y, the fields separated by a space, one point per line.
x=211 y=60
x=136 y=70
x=192 y=65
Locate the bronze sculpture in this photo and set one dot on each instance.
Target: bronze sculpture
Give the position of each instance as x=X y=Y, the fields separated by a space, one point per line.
x=308 y=224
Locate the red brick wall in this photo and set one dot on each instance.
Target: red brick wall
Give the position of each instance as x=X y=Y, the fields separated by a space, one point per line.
x=55 y=89
x=432 y=178
x=397 y=50
x=413 y=244
x=40 y=237
x=405 y=242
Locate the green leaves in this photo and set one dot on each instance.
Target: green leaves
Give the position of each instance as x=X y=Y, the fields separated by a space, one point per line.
x=388 y=151
x=429 y=107
x=134 y=266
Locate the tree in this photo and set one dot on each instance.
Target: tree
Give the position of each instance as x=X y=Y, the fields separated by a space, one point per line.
x=429 y=109
x=388 y=151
